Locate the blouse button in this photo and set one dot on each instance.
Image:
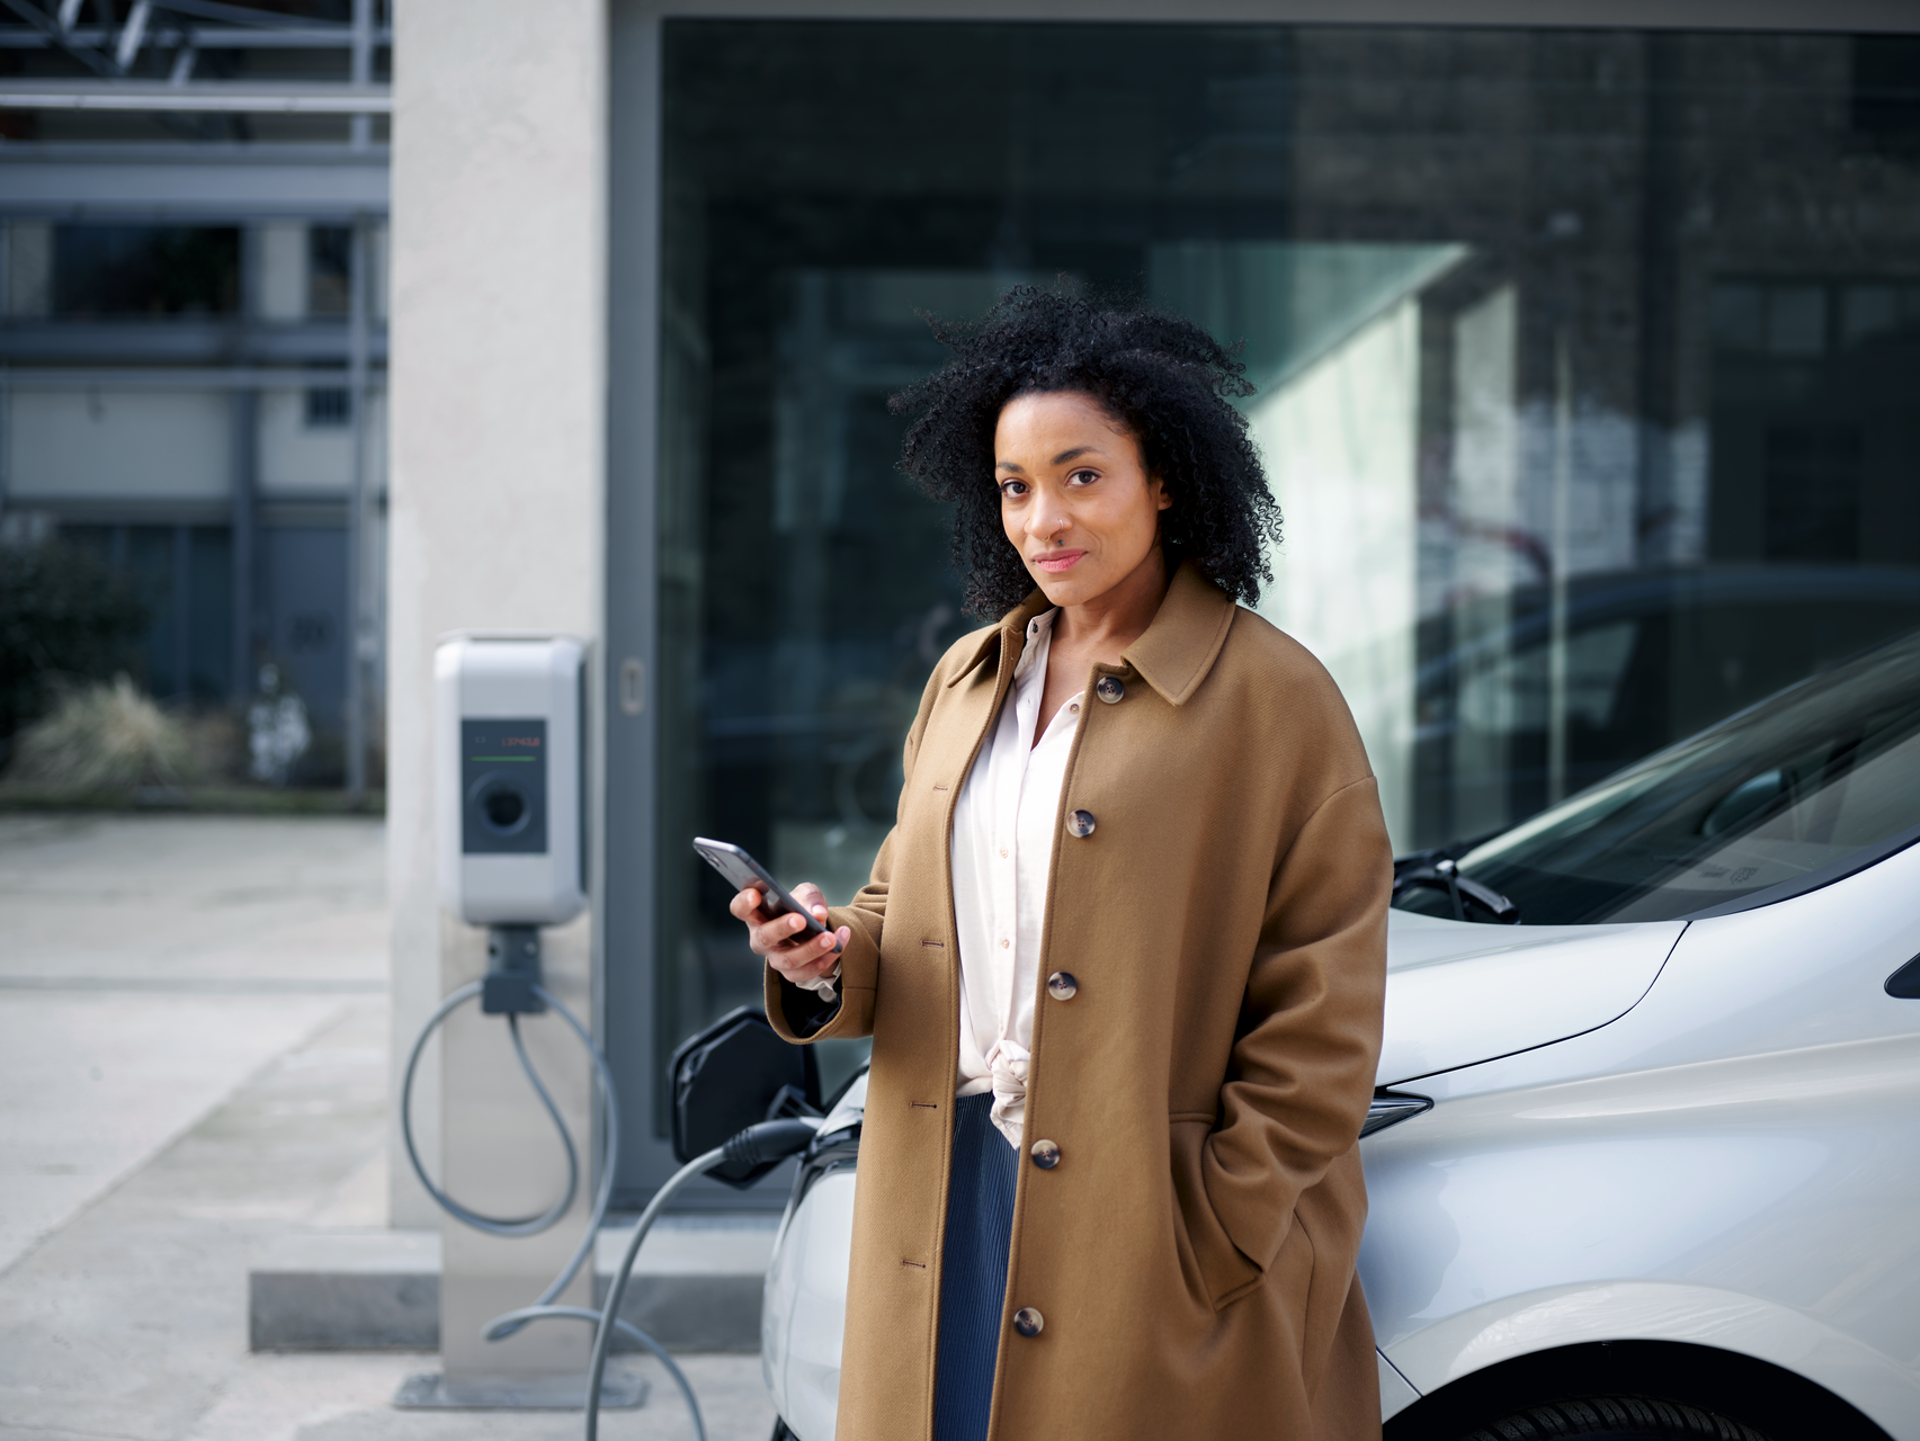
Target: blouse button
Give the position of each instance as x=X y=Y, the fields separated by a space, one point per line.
x=1003 y=943
x=1080 y=823
x=1046 y=1155
x=1028 y=1322
x=1110 y=688
x=1062 y=986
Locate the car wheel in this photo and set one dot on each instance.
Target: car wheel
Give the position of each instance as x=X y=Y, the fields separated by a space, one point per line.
x=1616 y=1418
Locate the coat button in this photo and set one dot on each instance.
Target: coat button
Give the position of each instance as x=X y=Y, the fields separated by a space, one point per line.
x=1080 y=823
x=1046 y=1155
x=1028 y=1322
x=1061 y=985
x=1110 y=688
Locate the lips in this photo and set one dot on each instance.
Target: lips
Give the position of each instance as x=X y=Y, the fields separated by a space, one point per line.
x=1058 y=562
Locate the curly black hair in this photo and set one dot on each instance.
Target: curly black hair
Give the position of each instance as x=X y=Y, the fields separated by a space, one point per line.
x=1162 y=377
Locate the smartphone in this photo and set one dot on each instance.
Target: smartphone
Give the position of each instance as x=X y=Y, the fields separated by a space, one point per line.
x=743 y=872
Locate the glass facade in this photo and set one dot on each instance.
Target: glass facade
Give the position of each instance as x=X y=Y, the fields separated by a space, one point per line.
x=1587 y=369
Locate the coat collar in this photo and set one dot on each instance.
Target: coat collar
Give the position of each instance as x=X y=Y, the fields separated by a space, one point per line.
x=1180 y=647
x=1173 y=656
x=1013 y=627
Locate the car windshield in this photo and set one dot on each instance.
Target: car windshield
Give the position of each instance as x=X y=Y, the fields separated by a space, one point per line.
x=1791 y=791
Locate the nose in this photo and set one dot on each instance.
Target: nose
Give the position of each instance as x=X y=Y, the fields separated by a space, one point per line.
x=1048 y=518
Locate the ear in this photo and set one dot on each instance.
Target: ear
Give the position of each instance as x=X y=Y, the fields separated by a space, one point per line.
x=1164 y=498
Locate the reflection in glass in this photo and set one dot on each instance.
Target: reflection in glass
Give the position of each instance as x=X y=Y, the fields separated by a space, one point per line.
x=1585 y=368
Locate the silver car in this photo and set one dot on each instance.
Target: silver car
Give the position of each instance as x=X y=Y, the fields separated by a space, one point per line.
x=1644 y=1159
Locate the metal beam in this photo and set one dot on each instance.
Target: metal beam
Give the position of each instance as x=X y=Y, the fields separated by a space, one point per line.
x=87 y=377
x=361 y=65
x=50 y=343
x=253 y=98
x=1812 y=16
x=166 y=36
x=236 y=182
x=359 y=636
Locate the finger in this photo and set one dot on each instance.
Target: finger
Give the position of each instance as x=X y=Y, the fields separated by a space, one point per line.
x=810 y=896
x=788 y=940
x=810 y=968
x=782 y=933
x=744 y=905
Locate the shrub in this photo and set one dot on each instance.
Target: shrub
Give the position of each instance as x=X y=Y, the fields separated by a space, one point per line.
x=63 y=615
x=102 y=737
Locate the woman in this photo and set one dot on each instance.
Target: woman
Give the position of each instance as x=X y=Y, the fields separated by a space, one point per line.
x=1122 y=956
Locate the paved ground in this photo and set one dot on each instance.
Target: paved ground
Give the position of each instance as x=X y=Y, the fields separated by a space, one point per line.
x=193 y=1063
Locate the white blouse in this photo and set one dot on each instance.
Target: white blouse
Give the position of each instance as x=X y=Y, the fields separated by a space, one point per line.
x=1003 y=827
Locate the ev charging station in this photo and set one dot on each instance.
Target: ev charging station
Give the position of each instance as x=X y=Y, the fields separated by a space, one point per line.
x=523 y=1174
x=519 y=1236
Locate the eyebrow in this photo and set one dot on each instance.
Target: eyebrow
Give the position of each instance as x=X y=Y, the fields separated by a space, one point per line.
x=1061 y=459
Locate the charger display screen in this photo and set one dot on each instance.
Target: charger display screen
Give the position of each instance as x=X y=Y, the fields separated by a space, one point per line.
x=503 y=785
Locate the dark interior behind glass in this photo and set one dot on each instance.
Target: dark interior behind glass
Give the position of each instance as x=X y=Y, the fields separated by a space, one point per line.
x=1587 y=368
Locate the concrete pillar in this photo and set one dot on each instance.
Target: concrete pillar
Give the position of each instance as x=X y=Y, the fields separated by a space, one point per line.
x=498 y=304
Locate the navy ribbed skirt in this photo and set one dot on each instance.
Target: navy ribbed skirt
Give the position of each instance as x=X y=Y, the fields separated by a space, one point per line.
x=973 y=1279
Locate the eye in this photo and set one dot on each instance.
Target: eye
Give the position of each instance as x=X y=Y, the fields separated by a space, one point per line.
x=1083 y=477
x=1012 y=489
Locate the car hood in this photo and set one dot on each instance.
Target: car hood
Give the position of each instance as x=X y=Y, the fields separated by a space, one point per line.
x=1458 y=993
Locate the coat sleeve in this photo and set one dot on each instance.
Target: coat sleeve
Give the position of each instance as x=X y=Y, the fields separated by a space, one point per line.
x=1309 y=1039
x=803 y=1015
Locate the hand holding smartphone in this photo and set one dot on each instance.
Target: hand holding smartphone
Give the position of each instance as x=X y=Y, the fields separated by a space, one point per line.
x=743 y=872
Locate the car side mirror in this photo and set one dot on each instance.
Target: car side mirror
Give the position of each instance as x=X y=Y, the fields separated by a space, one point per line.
x=735 y=1073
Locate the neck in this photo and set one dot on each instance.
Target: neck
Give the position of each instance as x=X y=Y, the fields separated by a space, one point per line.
x=1118 y=616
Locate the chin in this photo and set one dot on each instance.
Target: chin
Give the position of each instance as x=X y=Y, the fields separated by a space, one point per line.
x=1064 y=589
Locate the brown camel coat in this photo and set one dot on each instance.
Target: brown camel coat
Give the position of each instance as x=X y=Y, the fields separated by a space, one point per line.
x=1192 y=1254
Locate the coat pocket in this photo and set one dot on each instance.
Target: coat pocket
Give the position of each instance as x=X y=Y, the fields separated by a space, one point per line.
x=1215 y=1269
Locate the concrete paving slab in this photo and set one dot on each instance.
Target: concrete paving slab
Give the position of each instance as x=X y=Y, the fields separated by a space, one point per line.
x=247 y=902
x=92 y=1086
x=130 y=1321
x=696 y=1285
x=345 y=1398
x=128 y=1318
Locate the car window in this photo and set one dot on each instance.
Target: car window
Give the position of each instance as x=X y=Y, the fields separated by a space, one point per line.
x=1824 y=772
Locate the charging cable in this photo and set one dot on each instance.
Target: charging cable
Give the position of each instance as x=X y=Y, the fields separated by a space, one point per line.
x=766 y=1141
x=503 y=1326
x=514 y=992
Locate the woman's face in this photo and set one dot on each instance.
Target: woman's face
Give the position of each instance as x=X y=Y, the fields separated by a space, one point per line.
x=1075 y=496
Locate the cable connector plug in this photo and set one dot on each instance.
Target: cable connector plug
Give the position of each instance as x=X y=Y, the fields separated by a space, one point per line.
x=769 y=1141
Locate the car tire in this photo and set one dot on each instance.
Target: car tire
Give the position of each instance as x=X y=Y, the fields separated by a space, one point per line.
x=1616 y=1418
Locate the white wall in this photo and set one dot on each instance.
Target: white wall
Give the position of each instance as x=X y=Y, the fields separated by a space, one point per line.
x=118 y=444
x=498 y=389
x=298 y=457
